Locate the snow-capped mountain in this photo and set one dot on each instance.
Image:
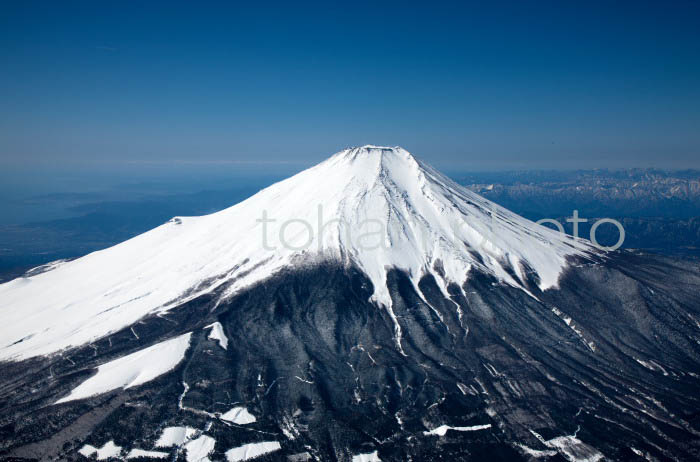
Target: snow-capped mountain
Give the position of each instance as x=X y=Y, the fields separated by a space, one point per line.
x=365 y=309
x=374 y=207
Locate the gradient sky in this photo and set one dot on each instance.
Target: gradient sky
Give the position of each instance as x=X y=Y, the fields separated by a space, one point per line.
x=467 y=86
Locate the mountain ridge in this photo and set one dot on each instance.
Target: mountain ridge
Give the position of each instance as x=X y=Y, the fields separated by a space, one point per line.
x=425 y=221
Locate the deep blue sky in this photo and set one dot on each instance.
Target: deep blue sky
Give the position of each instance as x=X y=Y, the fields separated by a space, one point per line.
x=467 y=86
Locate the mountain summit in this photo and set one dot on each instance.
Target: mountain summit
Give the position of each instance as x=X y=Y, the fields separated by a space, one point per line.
x=366 y=309
x=378 y=208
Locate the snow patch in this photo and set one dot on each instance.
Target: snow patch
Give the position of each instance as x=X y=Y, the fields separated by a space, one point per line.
x=238 y=415
x=198 y=450
x=108 y=451
x=217 y=333
x=573 y=449
x=463 y=388
x=371 y=457
x=252 y=450
x=442 y=430
x=536 y=452
x=135 y=453
x=570 y=322
x=652 y=365
x=642 y=454
x=133 y=369
x=175 y=436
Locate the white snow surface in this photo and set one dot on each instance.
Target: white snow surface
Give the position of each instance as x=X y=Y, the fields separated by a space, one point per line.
x=108 y=451
x=371 y=457
x=198 y=450
x=536 y=452
x=133 y=369
x=374 y=207
x=135 y=453
x=238 y=415
x=252 y=450
x=217 y=333
x=175 y=436
x=571 y=448
x=442 y=429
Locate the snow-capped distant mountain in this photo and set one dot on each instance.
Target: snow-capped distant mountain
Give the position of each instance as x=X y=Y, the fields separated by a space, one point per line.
x=367 y=308
x=374 y=207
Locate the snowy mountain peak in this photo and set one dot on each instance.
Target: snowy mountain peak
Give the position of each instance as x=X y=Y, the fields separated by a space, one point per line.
x=375 y=208
x=372 y=150
x=369 y=154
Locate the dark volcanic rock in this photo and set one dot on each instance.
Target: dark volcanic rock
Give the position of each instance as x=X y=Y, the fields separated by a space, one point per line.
x=605 y=366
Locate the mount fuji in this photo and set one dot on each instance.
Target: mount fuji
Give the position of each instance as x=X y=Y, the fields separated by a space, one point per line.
x=368 y=308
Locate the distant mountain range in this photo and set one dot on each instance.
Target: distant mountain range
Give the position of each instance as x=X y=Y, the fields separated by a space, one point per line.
x=630 y=193
x=660 y=210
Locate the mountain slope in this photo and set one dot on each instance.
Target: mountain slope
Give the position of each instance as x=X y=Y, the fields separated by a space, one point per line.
x=499 y=340
x=374 y=207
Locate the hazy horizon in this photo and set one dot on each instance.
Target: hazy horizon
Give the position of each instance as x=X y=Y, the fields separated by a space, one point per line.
x=464 y=86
